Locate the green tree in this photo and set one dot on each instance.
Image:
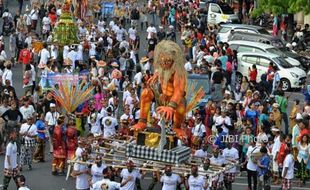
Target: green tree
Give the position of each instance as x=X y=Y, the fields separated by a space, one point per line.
x=278 y=7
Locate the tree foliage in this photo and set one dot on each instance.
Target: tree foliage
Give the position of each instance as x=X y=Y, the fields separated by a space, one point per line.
x=282 y=6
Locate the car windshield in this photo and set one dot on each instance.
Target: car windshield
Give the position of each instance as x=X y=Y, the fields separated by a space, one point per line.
x=263 y=31
x=282 y=62
x=224 y=29
x=276 y=51
x=227 y=9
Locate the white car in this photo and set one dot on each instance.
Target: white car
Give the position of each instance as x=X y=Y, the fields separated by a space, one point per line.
x=248 y=46
x=226 y=30
x=290 y=76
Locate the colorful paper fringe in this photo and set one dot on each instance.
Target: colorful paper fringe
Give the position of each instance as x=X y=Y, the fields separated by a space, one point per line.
x=70 y=96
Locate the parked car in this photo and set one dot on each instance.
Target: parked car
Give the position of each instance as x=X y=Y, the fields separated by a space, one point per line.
x=262 y=38
x=226 y=29
x=247 y=46
x=217 y=13
x=290 y=76
x=274 y=41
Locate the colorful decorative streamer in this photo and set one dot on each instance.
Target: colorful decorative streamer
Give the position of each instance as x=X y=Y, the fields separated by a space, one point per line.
x=70 y=96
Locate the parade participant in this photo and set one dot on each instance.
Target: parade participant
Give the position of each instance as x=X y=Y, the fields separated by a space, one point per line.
x=170 y=180
x=129 y=176
x=97 y=170
x=51 y=118
x=28 y=132
x=11 y=169
x=274 y=152
x=81 y=172
x=41 y=138
x=288 y=169
x=198 y=132
x=203 y=152
x=195 y=181
x=59 y=144
x=217 y=160
x=110 y=125
x=71 y=137
x=21 y=180
x=93 y=121
x=106 y=183
x=231 y=155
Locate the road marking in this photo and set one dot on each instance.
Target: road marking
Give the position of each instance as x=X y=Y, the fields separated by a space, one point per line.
x=274 y=186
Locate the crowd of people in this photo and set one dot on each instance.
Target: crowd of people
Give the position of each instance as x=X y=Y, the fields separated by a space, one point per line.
x=247 y=122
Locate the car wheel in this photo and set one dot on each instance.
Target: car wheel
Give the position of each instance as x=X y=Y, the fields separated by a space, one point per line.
x=285 y=84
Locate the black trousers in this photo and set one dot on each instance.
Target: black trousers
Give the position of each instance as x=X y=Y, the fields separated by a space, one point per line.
x=252 y=174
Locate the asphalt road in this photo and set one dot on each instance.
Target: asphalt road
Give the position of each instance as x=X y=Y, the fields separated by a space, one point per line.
x=40 y=177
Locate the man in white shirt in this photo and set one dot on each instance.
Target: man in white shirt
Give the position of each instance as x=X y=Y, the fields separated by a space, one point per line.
x=97 y=170
x=203 y=152
x=81 y=172
x=170 y=180
x=106 y=182
x=110 y=124
x=72 y=55
x=223 y=121
x=288 y=169
x=188 y=65
x=274 y=152
x=198 y=132
x=151 y=30
x=132 y=32
x=51 y=118
x=44 y=55
x=120 y=33
x=28 y=132
x=231 y=155
x=251 y=165
x=217 y=160
x=27 y=110
x=129 y=176
x=11 y=169
x=195 y=181
x=7 y=74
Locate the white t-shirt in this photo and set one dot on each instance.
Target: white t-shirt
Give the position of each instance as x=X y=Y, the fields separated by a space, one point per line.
x=112 y=184
x=11 y=150
x=126 y=117
x=188 y=66
x=34 y=14
x=7 y=75
x=196 y=183
x=32 y=130
x=45 y=55
x=27 y=111
x=51 y=118
x=132 y=34
x=288 y=163
x=120 y=33
x=130 y=185
x=23 y=188
x=198 y=130
x=81 y=180
x=150 y=30
x=201 y=154
x=231 y=154
x=138 y=78
x=219 y=161
x=109 y=130
x=221 y=121
x=170 y=182
x=33 y=73
x=96 y=173
x=251 y=165
x=46 y=23
x=276 y=145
